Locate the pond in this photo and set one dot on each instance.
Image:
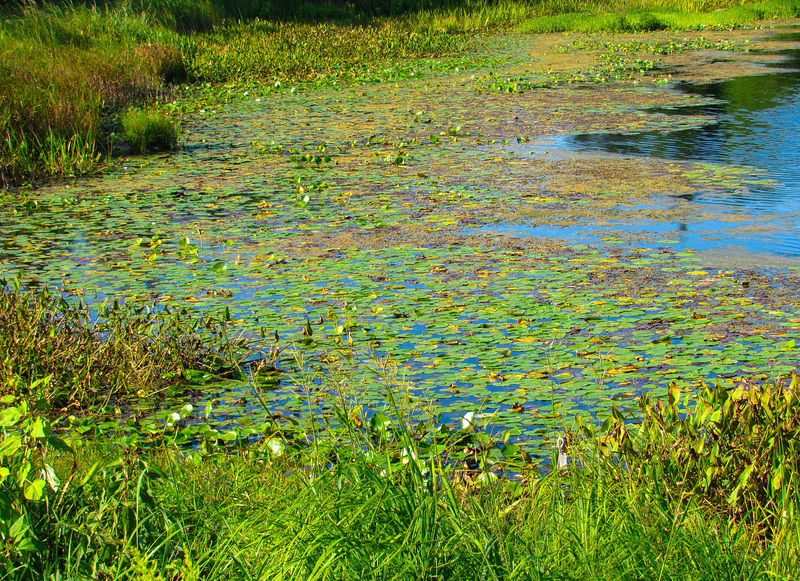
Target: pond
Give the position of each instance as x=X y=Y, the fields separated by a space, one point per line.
x=368 y=215
x=753 y=122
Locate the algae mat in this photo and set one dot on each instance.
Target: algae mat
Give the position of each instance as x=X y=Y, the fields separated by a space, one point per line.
x=339 y=224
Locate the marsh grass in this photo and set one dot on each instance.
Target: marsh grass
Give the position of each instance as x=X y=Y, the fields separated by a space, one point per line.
x=277 y=519
x=118 y=353
x=65 y=72
x=350 y=518
x=148 y=130
x=300 y=52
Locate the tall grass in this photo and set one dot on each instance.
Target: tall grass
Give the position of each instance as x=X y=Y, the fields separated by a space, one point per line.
x=660 y=17
x=295 y=52
x=150 y=131
x=64 y=72
x=371 y=497
x=254 y=516
x=67 y=70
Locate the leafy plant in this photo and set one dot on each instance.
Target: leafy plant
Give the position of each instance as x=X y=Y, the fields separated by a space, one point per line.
x=59 y=515
x=92 y=359
x=735 y=452
x=148 y=130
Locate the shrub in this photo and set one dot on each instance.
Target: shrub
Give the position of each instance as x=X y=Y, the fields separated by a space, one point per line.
x=148 y=130
x=737 y=453
x=95 y=358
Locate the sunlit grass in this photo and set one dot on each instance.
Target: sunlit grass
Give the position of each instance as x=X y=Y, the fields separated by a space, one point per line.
x=150 y=131
x=64 y=73
x=659 y=18
x=68 y=70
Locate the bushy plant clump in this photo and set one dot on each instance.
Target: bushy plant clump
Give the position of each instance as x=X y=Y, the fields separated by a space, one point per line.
x=147 y=130
x=735 y=453
x=121 y=351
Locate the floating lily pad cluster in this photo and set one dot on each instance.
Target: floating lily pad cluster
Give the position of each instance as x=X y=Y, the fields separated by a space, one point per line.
x=335 y=228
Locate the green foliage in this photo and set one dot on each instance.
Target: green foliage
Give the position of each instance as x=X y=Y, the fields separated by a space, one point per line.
x=333 y=512
x=57 y=516
x=123 y=350
x=148 y=130
x=68 y=69
x=660 y=16
x=295 y=52
x=736 y=453
x=399 y=496
x=143 y=569
x=64 y=73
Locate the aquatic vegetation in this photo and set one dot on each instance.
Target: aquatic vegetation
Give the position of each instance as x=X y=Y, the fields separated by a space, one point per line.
x=356 y=220
x=733 y=451
x=109 y=354
x=76 y=67
x=292 y=53
x=297 y=348
x=150 y=131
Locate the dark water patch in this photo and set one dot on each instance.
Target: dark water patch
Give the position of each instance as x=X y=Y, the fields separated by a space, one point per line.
x=756 y=124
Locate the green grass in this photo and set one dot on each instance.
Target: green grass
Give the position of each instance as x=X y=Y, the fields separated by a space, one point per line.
x=150 y=131
x=292 y=53
x=68 y=70
x=64 y=74
x=660 y=18
x=251 y=515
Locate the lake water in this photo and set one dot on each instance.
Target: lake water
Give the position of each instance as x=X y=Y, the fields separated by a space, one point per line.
x=756 y=125
x=371 y=246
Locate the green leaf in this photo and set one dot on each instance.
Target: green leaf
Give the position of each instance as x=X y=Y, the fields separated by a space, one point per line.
x=9 y=446
x=197 y=375
x=58 y=444
x=51 y=477
x=18 y=528
x=22 y=472
x=9 y=417
x=37 y=429
x=35 y=490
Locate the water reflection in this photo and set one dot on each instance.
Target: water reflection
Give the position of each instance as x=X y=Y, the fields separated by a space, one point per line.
x=757 y=125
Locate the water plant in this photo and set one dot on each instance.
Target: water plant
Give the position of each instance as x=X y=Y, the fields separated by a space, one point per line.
x=147 y=130
x=733 y=452
x=101 y=355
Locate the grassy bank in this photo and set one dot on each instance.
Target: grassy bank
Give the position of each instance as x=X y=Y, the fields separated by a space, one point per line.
x=699 y=487
x=676 y=16
x=69 y=72
x=361 y=508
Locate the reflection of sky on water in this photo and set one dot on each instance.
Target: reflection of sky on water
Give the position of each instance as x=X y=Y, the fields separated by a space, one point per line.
x=758 y=125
